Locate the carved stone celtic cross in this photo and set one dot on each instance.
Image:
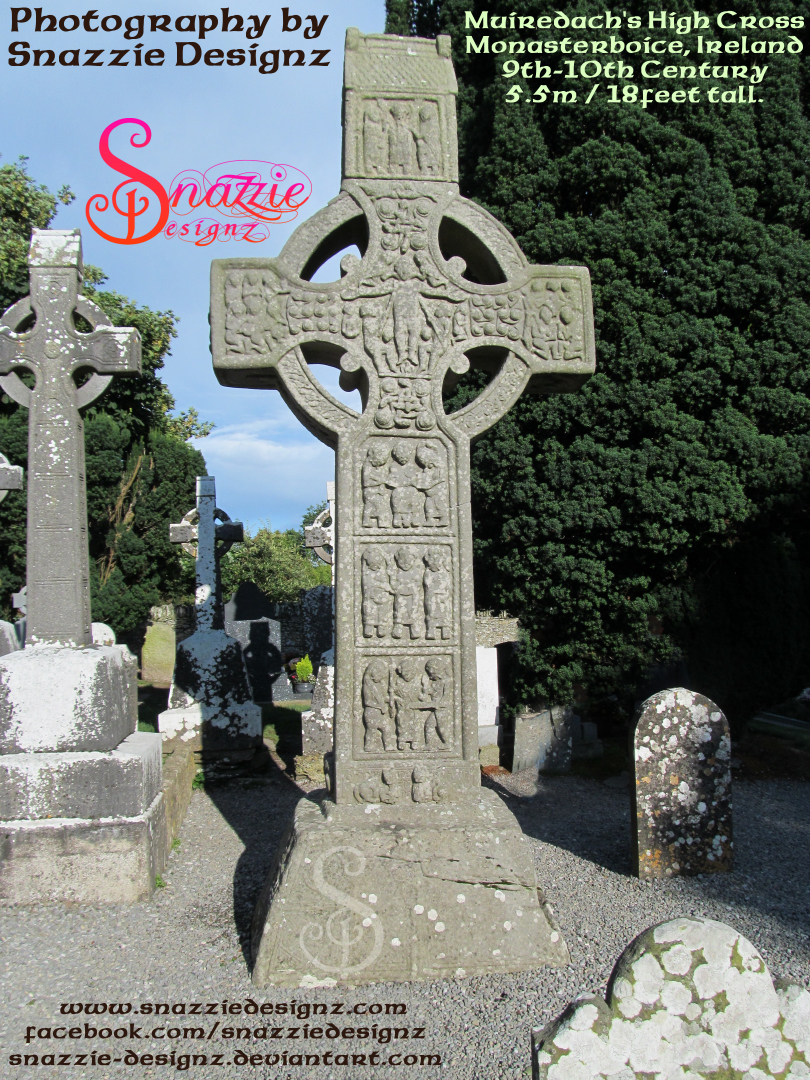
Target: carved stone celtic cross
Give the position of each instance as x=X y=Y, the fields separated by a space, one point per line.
x=38 y=334
x=440 y=284
x=207 y=533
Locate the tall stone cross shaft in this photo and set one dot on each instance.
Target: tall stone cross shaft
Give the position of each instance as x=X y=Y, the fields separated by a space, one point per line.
x=38 y=334
x=200 y=534
x=440 y=284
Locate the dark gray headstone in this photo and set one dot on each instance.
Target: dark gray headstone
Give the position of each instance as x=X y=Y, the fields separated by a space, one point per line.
x=316 y=605
x=261 y=647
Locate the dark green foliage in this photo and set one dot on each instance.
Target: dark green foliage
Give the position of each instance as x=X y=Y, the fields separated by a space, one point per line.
x=140 y=471
x=277 y=562
x=639 y=501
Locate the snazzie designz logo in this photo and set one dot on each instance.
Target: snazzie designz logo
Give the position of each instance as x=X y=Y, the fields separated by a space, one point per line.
x=246 y=196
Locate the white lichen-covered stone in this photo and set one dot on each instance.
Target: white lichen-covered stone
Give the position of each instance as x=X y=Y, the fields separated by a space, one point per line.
x=690 y=999
x=681 y=797
x=67 y=699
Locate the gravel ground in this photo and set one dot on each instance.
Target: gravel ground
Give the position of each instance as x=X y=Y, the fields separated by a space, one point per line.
x=188 y=943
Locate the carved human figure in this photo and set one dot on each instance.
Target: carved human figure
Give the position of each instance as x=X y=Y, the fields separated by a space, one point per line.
x=438 y=591
x=406 y=585
x=406 y=689
x=374 y=139
x=400 y=140
x=377 y=594
x=376 y=487
x=434 y=698
x=377 y=708
x=428 y=147
x=406 y=311
x=433 y=482
x=235 y=325
x=407 y=501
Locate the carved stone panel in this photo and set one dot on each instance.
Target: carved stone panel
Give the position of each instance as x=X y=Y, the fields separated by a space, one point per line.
x=407 y=593
x=407 y=704
x=405 y=485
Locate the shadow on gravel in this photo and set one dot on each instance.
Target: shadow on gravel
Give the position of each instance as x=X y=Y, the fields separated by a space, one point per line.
x=258 y=809
x=578 y=815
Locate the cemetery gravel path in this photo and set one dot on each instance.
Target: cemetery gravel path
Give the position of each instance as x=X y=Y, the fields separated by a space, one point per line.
x=188 y=943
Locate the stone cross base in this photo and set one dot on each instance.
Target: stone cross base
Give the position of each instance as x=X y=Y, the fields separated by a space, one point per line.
x=210 y=700
x=83 y=826
x=58 y=698
x=380 y=893
x=84 y=860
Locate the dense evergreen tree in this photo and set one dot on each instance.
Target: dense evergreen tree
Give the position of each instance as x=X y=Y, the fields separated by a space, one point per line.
x=140 y=469
x=639 y=518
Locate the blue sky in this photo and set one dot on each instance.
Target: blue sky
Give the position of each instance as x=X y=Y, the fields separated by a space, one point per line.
x=268 y=468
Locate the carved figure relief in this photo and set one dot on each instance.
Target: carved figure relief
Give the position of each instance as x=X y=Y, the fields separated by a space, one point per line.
x=385 y=790
x=405 y=485
x=401 y=138
x=424 y=788
x=406 y=592
x=408 y=704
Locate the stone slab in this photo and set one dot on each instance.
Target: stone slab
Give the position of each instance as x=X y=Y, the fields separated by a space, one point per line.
x=688 y=998
x=681 y=795
x=261 y=647
x=157 y=654
x=543 y=741
x=491 y=735
x=317 y=723
x=102 y=634
x=380 y=892
x=86 y=861
x=489 y=702
x=9 y=639
x=55 y=698
x=88 y=784
x=179 y=770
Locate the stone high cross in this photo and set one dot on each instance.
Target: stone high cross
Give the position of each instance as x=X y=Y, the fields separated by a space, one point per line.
x=207 y=541
x=441 y=284
x=448 y=881
x=38 y=334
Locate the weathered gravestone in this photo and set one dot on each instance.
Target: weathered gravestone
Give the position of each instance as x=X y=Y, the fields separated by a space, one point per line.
x=688 y=998
x=681 y=797
x=209 y=700
x=409 y=869
x=80 y=790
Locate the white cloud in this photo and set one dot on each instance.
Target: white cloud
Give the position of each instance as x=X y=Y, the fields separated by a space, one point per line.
x=262 y=477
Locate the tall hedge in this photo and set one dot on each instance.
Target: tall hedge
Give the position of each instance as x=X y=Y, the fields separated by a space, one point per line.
x=662 y=510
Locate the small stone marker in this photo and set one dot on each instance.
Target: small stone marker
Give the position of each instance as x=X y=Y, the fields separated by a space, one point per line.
x=441 y=282
x=688 y=998
x=210 y=699
x=81 y=797
x=681 y=798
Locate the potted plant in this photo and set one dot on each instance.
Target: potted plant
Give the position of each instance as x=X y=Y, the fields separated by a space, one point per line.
x=302 y=680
